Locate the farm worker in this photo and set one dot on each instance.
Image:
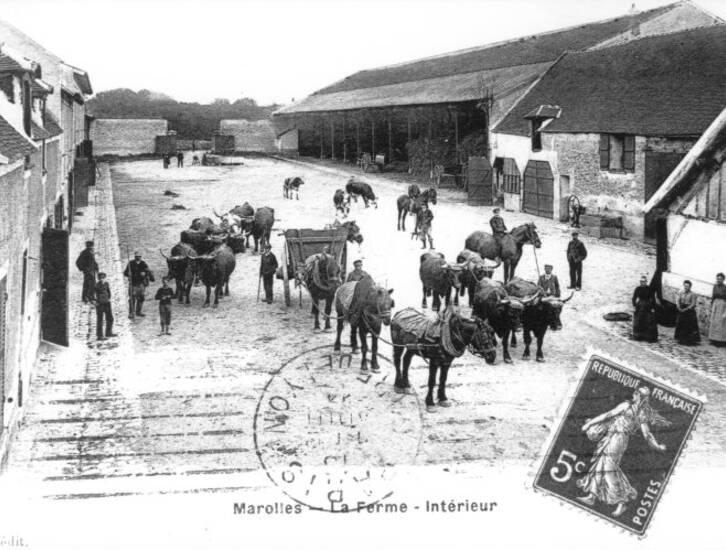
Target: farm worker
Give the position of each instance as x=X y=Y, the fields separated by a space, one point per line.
x=139 y=275
x=549 y=283
x=496 y=222
x=164 y=295
x=268 y=267
x=717 y=328
x=86 y=263
x=426 y=217
x=180 y=159
x=645 y=326
x=576 y=254
x=357 y=274
x=103 y=308
x=687 y=332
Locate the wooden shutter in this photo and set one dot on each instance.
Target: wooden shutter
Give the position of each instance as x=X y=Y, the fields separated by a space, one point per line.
x=628 y=153
x=604 y=151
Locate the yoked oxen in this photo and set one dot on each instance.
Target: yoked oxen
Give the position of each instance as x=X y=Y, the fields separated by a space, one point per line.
x=503 y=312
x=365 y=306
x=321 y=276
x=215 y=270
x=233 y=220
x=206 y=225
x=260 y=226
x=438 y=341
x=292 y=185
x=510 y=248
x=203 y=243
x=538 y=315
x=411 y=204
x=356 y=188
x=438 y=277
x=341 y=202
x=475 y=269
x=182 y=267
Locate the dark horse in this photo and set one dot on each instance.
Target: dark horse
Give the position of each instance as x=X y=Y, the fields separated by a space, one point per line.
x=509 y=250
x=439 y=342
x=321 y=276
x=365 y=306
x=408 y=204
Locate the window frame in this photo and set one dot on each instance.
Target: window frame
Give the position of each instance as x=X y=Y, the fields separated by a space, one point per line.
x=627 y=155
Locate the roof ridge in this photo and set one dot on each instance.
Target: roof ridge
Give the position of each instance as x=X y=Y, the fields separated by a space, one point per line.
x=518 y=39
x=30 y=39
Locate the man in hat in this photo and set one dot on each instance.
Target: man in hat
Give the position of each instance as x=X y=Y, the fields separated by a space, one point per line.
x=499 y=229
x=86 y=263
x=139 y=276
x=549 y=283
x=426 y=217
x=103 y=308
x=268 y=267
x=357 y=274
x=576 y=254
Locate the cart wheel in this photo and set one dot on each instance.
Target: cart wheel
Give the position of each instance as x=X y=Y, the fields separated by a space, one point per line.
x=285 y=278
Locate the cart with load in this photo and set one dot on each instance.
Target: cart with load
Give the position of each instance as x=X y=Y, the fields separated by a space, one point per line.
x=300 y=244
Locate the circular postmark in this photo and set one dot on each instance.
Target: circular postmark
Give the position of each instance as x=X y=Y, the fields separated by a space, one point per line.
x=326 y=433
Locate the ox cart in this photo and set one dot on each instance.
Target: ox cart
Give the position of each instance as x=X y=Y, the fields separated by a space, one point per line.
x=300 y=244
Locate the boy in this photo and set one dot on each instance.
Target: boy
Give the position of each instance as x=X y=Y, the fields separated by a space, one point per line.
x=164 y=295
x=103 y=308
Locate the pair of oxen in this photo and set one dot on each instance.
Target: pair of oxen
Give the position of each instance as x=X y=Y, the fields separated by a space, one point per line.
x=206 y=251
x=354 y=189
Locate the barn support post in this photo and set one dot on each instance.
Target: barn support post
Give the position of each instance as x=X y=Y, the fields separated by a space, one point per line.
x=357 y=138
x=390 y=140
x=373 y=138
x=345 y=141
x=322 y=131
x=332 y=138
x=456 y=134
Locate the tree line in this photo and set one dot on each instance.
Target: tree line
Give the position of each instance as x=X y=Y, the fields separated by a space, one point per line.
x=189 y=120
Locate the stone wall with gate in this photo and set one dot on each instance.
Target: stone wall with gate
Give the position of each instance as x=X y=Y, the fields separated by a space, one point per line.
x=124 y=137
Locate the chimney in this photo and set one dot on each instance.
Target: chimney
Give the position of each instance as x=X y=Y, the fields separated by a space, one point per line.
x=633 y=10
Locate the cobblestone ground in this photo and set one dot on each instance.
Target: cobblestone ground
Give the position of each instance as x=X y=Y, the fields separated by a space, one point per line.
x=147 y=413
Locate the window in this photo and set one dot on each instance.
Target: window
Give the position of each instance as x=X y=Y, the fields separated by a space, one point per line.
x=617 y=152
x=27 y=106
x=537 y=134
x=7 y=86
x=511 y=177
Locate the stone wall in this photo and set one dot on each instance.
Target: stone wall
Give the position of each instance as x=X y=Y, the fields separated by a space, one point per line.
x=125 y=137
x=250 y=136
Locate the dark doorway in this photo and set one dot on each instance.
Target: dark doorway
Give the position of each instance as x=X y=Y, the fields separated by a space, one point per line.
x=71 y=200
x=3 y=294
x=54 y=284
x=658 y=167
x=661 y=244
x=479 y=181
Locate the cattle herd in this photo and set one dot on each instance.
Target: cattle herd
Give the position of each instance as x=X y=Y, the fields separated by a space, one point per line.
x=206 y=252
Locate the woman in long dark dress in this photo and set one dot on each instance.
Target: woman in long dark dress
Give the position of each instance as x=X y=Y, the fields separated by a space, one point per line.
x=717 y=328
x=645 y=326
x=687 y=323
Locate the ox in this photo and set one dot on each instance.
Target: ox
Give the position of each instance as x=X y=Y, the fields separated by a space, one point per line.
x=474 y=271
x=438 y=278
x=182 y=267
x=341 y=202
x=356 y=188
x=215 y=269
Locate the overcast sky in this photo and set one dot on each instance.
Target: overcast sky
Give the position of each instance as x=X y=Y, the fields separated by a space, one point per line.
x=277 y=50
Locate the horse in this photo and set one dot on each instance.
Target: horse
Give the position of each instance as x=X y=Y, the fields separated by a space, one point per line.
x=508 y=250
x=439 y=342
x=411 y=204
x=365 y=306
x=321 y=276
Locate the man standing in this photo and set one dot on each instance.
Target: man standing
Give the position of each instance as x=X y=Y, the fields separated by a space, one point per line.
x=499 y=229
x=103 y=308
x=139 y=275
x=180 y=159
x=357 y=274
x=576 y=254
x=425 y=219
x=86 y=263
x=268 y=267
x=549 y=283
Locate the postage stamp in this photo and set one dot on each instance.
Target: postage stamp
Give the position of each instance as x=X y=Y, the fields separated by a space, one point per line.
x=325 y=432
x=618 y=443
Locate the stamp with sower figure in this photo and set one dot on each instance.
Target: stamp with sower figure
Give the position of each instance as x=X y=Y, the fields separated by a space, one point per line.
x=618 y=443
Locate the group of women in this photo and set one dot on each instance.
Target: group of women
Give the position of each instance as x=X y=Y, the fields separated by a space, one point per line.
x=645 y=324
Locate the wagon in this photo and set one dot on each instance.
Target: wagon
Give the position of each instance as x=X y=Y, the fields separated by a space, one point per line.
x=300 y=244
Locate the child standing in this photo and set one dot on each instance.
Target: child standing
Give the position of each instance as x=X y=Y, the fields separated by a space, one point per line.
x=164 y=295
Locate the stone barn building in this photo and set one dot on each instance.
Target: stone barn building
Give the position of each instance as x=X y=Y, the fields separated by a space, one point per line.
x=126 y=136
x=438 y=111
x=609 y=125
x=37 y=172
x=689 y=210
x=250 y=136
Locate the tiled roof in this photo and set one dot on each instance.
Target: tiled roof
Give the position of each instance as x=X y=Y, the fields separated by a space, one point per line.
x=13 y=144
x=520 y=51
x=83 y=82
x=40 y=87
x=11 y=65
x=666 y=85
x=38 y=132
x=51 y=125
